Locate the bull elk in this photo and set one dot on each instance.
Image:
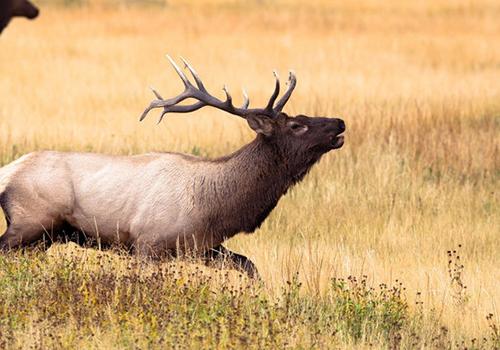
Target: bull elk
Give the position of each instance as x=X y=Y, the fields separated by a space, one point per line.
x=161 y=204
x=16 y=8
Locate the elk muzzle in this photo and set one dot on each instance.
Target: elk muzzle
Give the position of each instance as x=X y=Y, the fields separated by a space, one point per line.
x=334 y=127
x=26 y=9
x=338 y=139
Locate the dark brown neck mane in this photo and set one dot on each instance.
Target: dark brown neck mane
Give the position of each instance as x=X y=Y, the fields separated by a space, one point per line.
x=247 y=188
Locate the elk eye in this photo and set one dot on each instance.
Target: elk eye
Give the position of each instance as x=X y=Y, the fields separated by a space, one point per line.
x=297 y=128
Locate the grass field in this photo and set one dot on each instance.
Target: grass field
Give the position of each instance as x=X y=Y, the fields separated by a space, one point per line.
x=412 y=197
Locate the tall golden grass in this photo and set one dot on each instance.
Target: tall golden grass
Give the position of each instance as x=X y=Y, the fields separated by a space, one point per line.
x=418 y=84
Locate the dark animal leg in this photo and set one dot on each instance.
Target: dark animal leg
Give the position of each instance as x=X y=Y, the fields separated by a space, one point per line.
x=240 y=262
x=15 y=238
x=66 y=233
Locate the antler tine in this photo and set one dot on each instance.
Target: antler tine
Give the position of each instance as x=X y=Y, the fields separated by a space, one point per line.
x=154 y=104
x=181 y=74
x=167 y=104
x=195 y=75
x=292 y=82
x=246 y=100
x=163 y=113
x=229 y=99
x=158 y=96
x=180 y=109
x=275 y=94
x=204 y=98
x=145 y=113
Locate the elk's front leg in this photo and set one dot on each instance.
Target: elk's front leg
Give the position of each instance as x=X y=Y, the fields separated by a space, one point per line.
x=240 y=262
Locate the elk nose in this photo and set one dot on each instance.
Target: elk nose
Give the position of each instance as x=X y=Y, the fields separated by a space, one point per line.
x=341 y=125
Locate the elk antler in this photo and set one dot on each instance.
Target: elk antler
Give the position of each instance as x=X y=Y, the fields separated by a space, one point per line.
x=201 y=94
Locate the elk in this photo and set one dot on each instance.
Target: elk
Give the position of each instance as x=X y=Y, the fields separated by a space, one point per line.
x=162 y=204
x=16 y=8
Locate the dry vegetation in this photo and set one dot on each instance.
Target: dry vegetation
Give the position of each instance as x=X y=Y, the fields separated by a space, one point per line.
x=418 y=86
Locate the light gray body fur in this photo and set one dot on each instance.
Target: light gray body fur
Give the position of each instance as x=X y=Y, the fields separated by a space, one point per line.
x=147 y=201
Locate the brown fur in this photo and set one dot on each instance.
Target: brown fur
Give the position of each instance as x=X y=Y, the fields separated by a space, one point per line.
x=261 y=173
x=16 y=8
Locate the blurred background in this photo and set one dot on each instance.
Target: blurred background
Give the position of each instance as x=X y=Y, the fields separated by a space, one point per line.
x=417 y=82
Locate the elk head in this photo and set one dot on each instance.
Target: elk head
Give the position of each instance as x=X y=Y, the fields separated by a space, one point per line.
x=24 y=8
x=16 y=8
x=300 y=140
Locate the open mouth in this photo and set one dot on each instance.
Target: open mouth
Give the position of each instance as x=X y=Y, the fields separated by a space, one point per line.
x=337 y=141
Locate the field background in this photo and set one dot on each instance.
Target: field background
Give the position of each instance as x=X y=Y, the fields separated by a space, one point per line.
x=417 y=83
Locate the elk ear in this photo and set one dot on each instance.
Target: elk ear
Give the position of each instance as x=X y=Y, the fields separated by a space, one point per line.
x=261 y=124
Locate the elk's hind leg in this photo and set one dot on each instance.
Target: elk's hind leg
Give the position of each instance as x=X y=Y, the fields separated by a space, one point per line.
x=240 y=262
x=14 y=238
x=26 y=228
x=26 y=232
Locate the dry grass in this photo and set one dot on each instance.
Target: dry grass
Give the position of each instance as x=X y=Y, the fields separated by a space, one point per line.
x=417 y=84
